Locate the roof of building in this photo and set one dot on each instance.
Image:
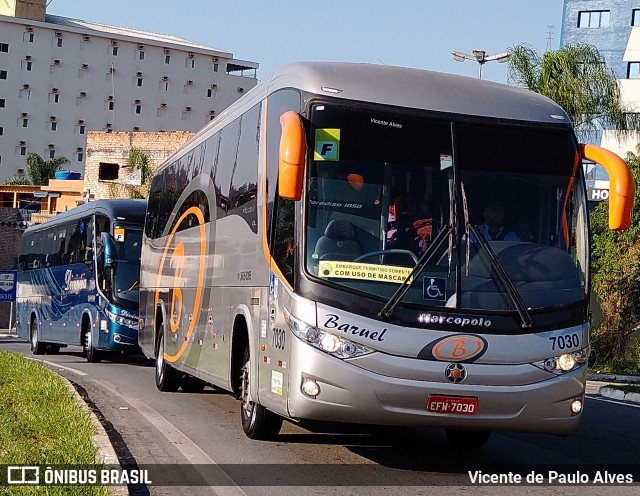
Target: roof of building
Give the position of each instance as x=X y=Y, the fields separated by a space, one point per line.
x=122 y=31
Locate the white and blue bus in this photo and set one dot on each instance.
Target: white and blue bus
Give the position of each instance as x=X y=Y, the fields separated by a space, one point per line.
x=78 y=279
x=324 y=250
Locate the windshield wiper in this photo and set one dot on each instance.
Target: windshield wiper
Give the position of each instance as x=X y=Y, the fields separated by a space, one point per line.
x=426 y=257
x=513 y=293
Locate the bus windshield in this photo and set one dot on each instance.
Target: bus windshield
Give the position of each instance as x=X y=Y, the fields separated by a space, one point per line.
x=126 y=273
x=508 y=200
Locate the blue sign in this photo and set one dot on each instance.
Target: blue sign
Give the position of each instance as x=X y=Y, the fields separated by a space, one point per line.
x=8 y=284
x=434 y=288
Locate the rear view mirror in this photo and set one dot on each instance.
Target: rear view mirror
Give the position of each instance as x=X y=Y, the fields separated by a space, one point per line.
x=109 y=249
x=291 y=158
x=621 y=185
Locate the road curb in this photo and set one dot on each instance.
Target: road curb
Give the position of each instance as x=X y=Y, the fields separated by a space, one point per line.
x=106 y=454
x=619 y=394
x=625 y=379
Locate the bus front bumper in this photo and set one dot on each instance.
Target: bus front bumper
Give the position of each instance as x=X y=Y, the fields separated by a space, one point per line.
x=349 y=393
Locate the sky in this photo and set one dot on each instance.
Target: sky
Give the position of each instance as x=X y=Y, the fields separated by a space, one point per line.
x=410 y=33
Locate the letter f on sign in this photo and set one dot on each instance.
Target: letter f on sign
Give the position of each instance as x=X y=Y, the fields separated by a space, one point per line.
x=327 y=144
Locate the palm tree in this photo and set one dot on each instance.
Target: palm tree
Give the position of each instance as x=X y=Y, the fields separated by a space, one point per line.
x=577 y=78
x=40 y=170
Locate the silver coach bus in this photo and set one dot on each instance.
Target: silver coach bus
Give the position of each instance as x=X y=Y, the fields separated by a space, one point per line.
x=325 y=250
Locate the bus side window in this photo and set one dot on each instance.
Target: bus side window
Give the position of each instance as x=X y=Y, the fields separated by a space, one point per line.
x=283 y=237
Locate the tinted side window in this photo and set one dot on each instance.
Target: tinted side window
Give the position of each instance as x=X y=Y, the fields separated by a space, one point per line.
x=244 y=180
x=71 y=244
x=227 y=158
x=155 y=194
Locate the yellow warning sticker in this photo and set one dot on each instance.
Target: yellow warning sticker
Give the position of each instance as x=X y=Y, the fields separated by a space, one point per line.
x=118 y=234
x=327 y=146
x=355 y=270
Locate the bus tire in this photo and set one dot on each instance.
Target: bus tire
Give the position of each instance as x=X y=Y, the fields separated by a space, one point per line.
x=190 y=384
x=167 y=378
x=37 y=347
x=91 y=354
x=257 y=422
x=467 y=439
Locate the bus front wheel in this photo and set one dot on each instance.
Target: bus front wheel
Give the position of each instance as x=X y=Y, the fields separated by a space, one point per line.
x=167 y=378
x=92 y=355
x=37 y=348
x=257 y=422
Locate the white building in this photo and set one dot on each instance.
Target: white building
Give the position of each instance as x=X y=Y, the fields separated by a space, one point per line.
x=62 y=77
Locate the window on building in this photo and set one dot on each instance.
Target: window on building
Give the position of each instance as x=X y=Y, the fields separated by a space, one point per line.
x=593 y=19
x=167 y=59
x=140 y=54
x=1 y=102
x=162 y=111
x=27 y=65
x=54 y=97
x=209 y=93
x=139 y=82
x=114 y=51
x=28 y=37
x=3 y=74
x=24 y=94
x=52 y=153
x=163 y=85
x=80 y=157
x=137 y=108
x=110 y=105
x=23 y=121
x=53 y=126
x=633 y=70
x=59 y=42
x=1 y=130
x=107 y=171
x=635 y=17
x=215 y=67
x=190 y=63
x=4 y=47
x=186 y=115
x=22 y=150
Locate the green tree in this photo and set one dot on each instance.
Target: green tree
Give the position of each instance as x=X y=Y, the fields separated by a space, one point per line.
x=616 y=277
x=577 y=78
x=40 y=170
x=17 y=181
x=138 y=161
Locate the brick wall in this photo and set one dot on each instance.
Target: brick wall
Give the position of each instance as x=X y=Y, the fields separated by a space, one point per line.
x=9 y=249
x=113 y=148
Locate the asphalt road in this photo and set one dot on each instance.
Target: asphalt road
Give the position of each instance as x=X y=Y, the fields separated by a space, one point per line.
x=196 y=439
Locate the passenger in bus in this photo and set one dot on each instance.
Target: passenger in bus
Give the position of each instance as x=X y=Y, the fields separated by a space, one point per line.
x=412 y=227
x=493 y=227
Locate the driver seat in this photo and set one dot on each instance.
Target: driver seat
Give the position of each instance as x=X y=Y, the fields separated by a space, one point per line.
x=338 y=242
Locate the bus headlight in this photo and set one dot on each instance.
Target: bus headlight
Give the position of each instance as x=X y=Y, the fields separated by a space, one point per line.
x=332 y=344
x=564 y=363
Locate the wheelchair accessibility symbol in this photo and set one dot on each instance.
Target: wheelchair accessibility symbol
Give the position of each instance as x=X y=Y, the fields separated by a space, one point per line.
x=434 y=288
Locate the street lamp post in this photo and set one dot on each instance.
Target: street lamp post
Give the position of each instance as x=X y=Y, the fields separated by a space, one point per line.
x=480 y=56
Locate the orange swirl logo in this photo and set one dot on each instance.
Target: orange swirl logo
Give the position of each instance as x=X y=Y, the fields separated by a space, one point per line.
x=177 y=263
x=459 y=348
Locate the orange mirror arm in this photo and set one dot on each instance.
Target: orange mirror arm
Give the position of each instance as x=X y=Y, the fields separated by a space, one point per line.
x=621 y=185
